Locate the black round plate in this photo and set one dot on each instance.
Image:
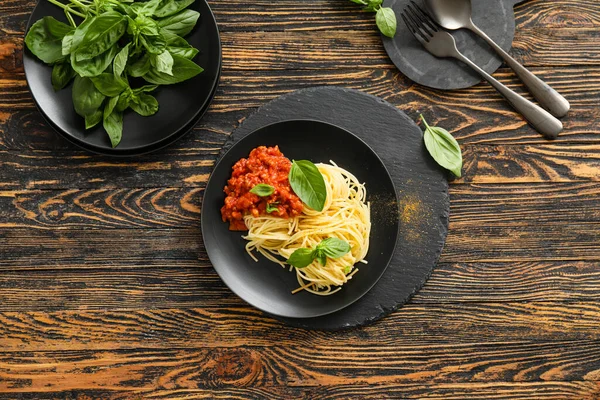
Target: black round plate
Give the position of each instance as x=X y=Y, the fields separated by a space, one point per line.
x=495 y=17
x=180 y=105
x=267 y=285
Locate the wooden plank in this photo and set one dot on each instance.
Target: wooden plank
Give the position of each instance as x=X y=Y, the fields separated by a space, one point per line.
x=288 y=15
x=494 y=205
x=115 y=287
x=340 y=364
x=544 y=390
x=466 y=113
x=231 y=323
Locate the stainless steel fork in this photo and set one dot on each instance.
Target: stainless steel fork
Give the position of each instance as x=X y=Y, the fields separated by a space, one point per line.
x=442 y=44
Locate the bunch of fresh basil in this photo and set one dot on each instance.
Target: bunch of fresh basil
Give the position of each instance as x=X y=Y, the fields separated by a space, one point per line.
x=117 y=39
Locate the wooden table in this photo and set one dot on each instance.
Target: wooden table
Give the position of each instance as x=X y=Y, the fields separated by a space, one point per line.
x=106 y=290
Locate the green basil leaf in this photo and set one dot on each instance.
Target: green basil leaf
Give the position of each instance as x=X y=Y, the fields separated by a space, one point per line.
x=144 y=104
x=67 y=43
x=145 y=89
x=347 y=269
x=61 y=75
x=120 y=61
x=170 y=7
x=110 y=106
x=444 y=149
x=262 y=190
x=78 y=35
x=113 y=122
x=361 y=2
x=96 y=65
x=301 y=258
x=386 y=21
x=272 y=207
x=321 y=257
x=86 y=98
x=183 y=69
x=308 y=184
x=44 y=39
x=373 y=5
x=148 y=8
x=178 y=45
x=185 y=52
x=140 y=67
x=93 y=119
x=333 y=247
x=154 y=44
x=163 y=62
x=109 y=85
x=181 y=23
x=103 y=33
x=146 y=26
x=124 y=100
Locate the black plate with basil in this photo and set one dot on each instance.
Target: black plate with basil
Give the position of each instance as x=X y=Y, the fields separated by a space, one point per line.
x=267 y=285
x=180 y=105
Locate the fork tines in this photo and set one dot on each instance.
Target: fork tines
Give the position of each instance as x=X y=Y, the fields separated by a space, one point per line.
x=419 y=22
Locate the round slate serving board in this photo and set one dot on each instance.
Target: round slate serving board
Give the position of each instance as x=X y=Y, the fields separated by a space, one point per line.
x=421 y=185
x=494 y=17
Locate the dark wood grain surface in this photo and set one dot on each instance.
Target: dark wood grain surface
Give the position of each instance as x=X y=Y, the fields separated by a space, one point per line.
x=106 y=291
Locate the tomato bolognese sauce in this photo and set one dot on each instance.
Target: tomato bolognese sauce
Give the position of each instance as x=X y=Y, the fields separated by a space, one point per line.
x=264 y=165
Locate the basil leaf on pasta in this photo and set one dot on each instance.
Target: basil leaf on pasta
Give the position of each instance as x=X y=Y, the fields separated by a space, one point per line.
x=333 y=247
x=308 y=184
x=301 y=258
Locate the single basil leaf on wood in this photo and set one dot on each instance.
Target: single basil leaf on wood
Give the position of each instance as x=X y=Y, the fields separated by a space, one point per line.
x=262 y=190
x=333 y=247
x=62 y=74
x=308 y=184
x=103 y=32
x=93 y=119
x=373 y=5
x=140 y=67
x=163 y=62
x=86 y=98
x=181 y=23
x=301 y=258
x=109 y=84
x=113 y=122
x=170 y=7
x=44 y=39
x=154 y=44
x=144 y=104
x=183 y=69
x=444 y=149
x=96 y=65
x=386 y=21
x=120 y=61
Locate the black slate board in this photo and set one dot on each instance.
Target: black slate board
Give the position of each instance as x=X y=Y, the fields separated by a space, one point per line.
x=494 y=17
x=421 y=184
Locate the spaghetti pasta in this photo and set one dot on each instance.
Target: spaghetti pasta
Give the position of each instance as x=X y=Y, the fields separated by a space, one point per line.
x=346 y=216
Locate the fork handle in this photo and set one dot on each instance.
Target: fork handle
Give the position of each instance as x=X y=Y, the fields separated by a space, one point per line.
x=539 y=118
x=549 y=98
